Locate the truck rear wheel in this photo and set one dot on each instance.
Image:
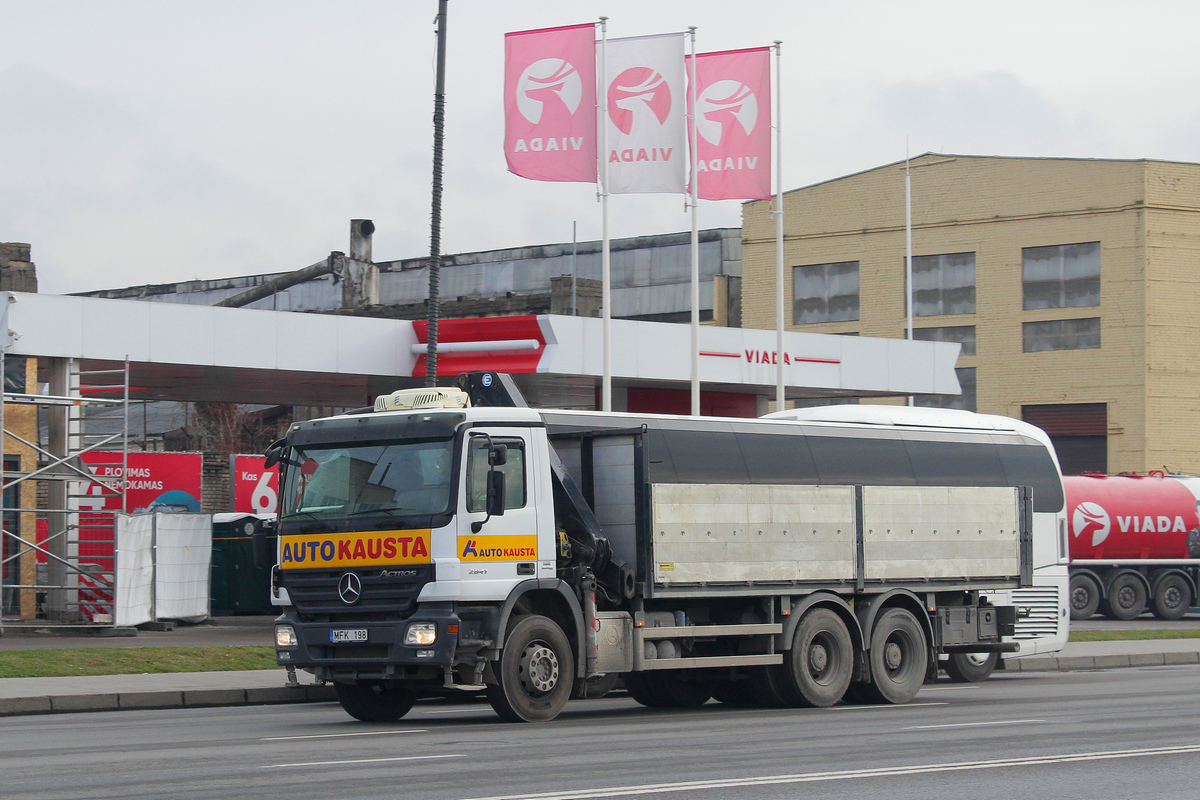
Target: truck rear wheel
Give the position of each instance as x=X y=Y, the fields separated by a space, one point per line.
x=821 y=662
x=1085 y=597
x=535 y=673
x=898 y=657
x=971 y=667
x=374 y=701
x=1126 y=597
x=1172 y=597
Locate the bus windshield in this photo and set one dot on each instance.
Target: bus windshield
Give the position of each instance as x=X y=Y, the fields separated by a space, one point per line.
x=342 y=480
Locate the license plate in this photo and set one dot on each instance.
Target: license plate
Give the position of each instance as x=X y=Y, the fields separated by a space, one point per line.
x=348 y=635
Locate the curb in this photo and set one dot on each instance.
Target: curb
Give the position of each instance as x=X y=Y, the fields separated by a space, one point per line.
x=1081 y=663
x=197 y=698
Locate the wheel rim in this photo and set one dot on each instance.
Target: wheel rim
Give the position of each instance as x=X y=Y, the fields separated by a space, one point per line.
x=978 y=659
x=1172 y=598
x=1126 y=597
x=895 y=655
x=1080 y=598
x=539 y=668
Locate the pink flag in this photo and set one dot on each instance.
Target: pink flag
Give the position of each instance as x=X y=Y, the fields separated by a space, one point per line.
x=645 y=115
x=550 y=103
x=733 y=95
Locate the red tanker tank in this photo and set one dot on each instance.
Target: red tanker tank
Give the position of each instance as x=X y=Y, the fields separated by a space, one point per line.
x=1130 y=517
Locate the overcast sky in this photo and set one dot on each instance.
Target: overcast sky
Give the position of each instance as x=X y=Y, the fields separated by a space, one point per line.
x=145 y=141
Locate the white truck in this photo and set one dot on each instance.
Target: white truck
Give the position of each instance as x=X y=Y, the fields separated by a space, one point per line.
x=455 y=540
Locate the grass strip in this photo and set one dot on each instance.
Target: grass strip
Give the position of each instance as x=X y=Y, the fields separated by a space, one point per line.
x=1117 y=636
x=75 y=661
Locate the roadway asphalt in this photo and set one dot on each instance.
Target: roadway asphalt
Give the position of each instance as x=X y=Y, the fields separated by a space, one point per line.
x=260 y=687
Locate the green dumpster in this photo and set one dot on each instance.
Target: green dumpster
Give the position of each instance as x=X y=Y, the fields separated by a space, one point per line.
x=237 y=587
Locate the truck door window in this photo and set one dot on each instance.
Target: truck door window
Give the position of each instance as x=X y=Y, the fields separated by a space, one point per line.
x=513 y=469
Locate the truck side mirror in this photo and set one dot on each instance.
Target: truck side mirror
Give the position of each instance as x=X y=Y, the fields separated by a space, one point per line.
x=495 y=497
x=498 y=455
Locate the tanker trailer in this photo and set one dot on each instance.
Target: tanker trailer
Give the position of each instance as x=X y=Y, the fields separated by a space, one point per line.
x=1133 y=540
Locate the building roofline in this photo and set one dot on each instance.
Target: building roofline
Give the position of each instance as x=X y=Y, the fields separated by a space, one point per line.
x=951 y=156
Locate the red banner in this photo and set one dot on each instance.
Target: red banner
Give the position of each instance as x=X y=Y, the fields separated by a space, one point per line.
x=255 y=488
x=550 y=103
x=167 y=481
x=733 y=124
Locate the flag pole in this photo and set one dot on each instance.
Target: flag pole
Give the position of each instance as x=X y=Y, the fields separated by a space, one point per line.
x=605 y=251
x=908 y=276
x=695 y=235
x=779 y=356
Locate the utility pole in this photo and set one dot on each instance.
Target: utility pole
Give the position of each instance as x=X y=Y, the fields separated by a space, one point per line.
x=435 y=217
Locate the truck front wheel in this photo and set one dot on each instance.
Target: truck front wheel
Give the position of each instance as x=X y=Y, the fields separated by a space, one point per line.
x=898 y=657
x=374 y=701
x=535 y=673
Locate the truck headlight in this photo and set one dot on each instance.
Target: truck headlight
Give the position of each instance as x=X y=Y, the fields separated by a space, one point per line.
x=421 y=633
x=285 y=636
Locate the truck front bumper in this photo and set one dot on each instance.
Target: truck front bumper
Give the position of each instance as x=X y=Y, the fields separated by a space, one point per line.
x=368 y=648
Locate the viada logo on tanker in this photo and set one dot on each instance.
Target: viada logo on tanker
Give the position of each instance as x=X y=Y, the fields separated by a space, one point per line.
x=1093 y=518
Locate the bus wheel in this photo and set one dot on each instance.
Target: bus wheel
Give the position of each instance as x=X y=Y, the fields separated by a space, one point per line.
x=374 y=701
x=535 y=673
x=1126 y=597
x=898 y=657
x=821 y=661
x=1172 y=597
x=971 y=667
x=1085 y=597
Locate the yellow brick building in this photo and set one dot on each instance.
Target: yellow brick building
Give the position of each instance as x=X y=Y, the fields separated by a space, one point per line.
x=1072 y=283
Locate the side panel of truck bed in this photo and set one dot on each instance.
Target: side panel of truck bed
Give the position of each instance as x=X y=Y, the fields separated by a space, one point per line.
x=741 y=536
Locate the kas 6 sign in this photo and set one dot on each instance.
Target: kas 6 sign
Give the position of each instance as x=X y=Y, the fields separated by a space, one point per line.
x=255 y=488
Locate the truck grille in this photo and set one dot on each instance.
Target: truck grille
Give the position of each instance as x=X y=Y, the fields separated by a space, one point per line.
x=1043 y=612
x=316 y=591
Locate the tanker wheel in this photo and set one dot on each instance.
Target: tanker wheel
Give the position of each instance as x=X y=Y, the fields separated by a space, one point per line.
x=821 y=661
x=374 y=701
x=1172 y=597
x=535 y=673
x=898 y=658
x=1085 y=597
x=971 y=667
x=1126 y=597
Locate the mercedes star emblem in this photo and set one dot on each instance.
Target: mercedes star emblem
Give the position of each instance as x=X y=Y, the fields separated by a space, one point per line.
x=350 y=588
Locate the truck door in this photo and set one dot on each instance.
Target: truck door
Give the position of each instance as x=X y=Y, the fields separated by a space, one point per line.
x=499 y=550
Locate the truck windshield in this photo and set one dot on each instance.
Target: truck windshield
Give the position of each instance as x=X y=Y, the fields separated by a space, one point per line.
x=344 y=480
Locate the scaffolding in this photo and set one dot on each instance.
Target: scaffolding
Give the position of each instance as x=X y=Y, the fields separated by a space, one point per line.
x=62 y=488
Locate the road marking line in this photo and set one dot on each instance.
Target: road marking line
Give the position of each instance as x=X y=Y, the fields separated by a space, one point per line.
x=362 y=761
x=972 y=724
x=456 y=710
x=950 y=689
x=888 y=705
x=877 y=772
x=336 y=735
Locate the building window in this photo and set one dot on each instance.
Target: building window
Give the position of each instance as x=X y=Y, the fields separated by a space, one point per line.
x=1062 y=334
x=963 y=334
x=1061 y=276
x=965 y=401
x=943 y=284
x=825 y=293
